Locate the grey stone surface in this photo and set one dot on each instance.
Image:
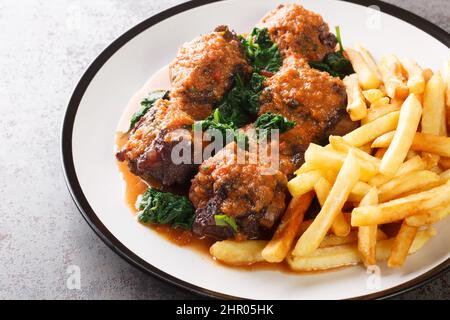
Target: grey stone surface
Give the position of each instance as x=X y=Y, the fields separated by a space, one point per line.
x=44 y=48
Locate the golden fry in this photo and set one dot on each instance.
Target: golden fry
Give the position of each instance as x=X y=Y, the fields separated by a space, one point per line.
x=391 y=71
x=401 y=246
x=375 y=113
x=367 y=235
x=238 y=253
x=413 y=164
x=303 y=183
x=431 y=217
x=416 y=81
x=367 y=77
x=356 y=106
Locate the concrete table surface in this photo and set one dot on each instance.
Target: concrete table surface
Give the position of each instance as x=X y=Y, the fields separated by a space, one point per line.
x=44 y=48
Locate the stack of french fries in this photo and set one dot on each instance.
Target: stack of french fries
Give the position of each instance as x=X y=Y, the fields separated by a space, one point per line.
x=391 y=173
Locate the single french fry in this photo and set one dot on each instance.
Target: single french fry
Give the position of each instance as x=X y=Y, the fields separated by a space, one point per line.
x=346 y=255
x=367 y=77
x=416 y=180
x=340 y=226
x=434 y=107
x=414 y=164
x=367 y=235
x=391 y=71
x=339 y=144
x=359 y=191
x=373 y=95
x=303 y=183
x=329 y=159
x=401 y=246
x=306 y=167
x=280 y=244
x=346 y=179
x=380 y=102
x=445 y=73
x=427 y=74
x=372 y=130
x=408 y=123
x=424 y=219
x=368 y=58
x=238 y=253
x=356 y=106
x=305 y=224
x=401 y=208
x=416 y=81
x=366 y=148
x=438 y=145
x=375 y=113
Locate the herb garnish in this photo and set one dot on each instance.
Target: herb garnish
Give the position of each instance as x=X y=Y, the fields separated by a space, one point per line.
x=223 y=220
x=146 y=104
x=269 y=121
x=261 y=51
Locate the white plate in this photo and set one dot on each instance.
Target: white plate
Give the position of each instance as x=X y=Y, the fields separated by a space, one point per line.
x=119 y=72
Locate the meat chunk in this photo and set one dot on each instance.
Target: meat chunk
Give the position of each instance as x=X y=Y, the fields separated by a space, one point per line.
x=298 y=31
x=150 y=145
x=252 y=194
x=312 y=98
x=204 y=68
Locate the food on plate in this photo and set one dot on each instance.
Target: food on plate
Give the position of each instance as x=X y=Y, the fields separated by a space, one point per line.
x=296 y=150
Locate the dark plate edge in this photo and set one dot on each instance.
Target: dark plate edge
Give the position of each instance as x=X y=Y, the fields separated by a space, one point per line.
x=111 y=241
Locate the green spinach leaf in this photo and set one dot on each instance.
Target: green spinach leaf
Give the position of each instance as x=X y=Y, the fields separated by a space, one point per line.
x=261 y=51
x=146 y=104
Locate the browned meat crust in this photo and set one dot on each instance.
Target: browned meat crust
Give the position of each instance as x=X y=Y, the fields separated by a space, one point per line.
x=299 y=31
x=150 y=144
x=246 y=192
x=204 y=68
x=313 y=99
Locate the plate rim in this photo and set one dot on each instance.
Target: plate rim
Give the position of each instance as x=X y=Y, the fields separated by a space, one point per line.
x=118 y=247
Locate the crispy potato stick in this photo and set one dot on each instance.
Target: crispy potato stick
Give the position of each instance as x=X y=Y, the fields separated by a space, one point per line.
x=306 y=167
x=359 y=191
x=445 y=175
x=346 y=179
x=445 y=72
x=303 y=183
x=340 y=145
x=280 y=244
x=238 y=253
x=404 y=135
x=444 y=163
x=414 y=164
x=416 y=180
x=340 y=226
x=391 y=71
x=416 y=81
x=368 y=79
x=305 y=224
x=356 y=106
x=401 y=208
x=368 y=58
x=434 y=107
x=422 y=142
x=432 y=217
x=401 y=246
x=373 y=95
x=375 y=113
x=333 y=160
x=367 y=235
x=372 y=130
x=334 y=240
x=345 y=255
x=366 y=148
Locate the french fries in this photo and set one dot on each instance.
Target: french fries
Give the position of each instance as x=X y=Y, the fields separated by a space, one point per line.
x=373 y=95
x=332 y=240
x=303 y=183
x=238 y=253
x=370 y=61
x=433 y=119
x=438 y=145
x=339 y=144
x=368 y=79
x=346 y=255
x=444 y=163
x=377 y=112
x=280 y=244
x=359 y=191
x=445 y=72
x=424 y=219
x=324 y=158
x=391 y=71
x=401 y=208
x=413 y=164
x=340 y=225
x=373 y=130
x=356 y=107
x=416 y=81
x=346 y=179
x=404 y=135
x=367 y=235
x=402 y=244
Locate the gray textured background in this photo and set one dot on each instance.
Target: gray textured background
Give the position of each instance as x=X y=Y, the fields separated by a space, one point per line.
x=44 y=48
